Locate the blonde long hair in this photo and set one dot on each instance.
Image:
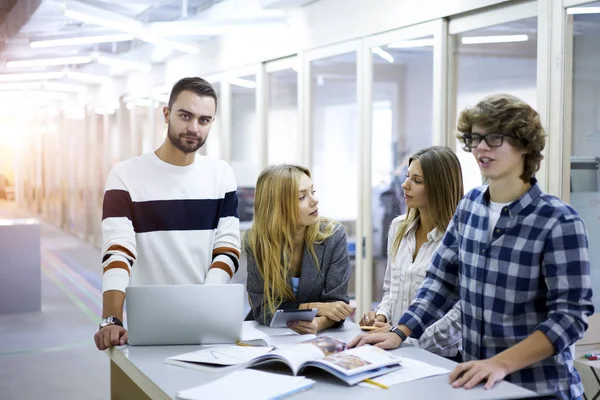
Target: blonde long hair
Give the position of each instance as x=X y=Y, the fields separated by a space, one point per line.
x=270 y=238
x=442 y=177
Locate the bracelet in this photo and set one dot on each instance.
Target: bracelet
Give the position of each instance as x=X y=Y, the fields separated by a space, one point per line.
x=398 y=332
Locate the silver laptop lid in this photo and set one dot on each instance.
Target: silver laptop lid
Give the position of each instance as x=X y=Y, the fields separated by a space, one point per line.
x=184 y=314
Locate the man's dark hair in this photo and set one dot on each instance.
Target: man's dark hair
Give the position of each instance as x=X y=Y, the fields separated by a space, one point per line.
x=194 y=84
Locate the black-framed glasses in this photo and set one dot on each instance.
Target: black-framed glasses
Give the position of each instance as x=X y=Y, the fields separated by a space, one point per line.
x=492 y=139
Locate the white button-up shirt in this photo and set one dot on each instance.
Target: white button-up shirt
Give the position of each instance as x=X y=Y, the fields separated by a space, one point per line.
x=403 y=277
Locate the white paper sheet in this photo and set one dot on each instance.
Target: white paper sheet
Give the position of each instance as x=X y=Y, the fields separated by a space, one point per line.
x=247 y=384
x=412 y=370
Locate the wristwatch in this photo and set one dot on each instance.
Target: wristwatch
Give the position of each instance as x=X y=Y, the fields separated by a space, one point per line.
x=110 y=321
x=398 y=332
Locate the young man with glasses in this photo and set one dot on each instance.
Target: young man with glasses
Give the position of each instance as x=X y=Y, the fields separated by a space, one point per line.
x=515 y=257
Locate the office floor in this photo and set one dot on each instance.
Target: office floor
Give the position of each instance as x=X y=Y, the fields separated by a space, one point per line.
x=51 y=354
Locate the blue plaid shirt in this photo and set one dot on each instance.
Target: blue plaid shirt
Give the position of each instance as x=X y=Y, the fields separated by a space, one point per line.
x=534 y=274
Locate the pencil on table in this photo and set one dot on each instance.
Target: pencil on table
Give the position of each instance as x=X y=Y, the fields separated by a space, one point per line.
x=372 y=382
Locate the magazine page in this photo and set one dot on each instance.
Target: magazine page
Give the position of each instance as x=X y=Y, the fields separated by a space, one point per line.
x=299 y=354
x=358 y=360
x=223 y=355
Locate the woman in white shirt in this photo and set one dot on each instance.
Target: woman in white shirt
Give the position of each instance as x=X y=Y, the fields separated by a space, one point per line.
x=432 y=191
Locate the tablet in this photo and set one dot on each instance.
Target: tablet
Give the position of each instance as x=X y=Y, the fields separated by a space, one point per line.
x=282 y=317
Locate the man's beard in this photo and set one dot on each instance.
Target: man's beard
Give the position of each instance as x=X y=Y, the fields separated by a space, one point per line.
x=179 y=140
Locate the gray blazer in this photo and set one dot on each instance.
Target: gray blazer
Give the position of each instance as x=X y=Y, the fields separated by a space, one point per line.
x=327 y=284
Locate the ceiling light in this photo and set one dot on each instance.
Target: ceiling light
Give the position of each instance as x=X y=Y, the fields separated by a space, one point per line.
x=34 y=76
x=21 y=86
x=583 y=10
x=49 y=61
x=85 y=77
x=243 y=83
x=81 y=40
x=494 y=39
x=133 y=27
x=106 y=110
x=92 y=15
x=65 y=87
x=127 y=64
x=143 y=102
x=383 y=54
x=185 y=48
x=405 y=44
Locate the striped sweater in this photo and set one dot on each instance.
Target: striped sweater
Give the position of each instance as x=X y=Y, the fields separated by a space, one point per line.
x=164 y=224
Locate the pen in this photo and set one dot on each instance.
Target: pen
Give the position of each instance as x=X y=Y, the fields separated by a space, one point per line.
x=372 y=382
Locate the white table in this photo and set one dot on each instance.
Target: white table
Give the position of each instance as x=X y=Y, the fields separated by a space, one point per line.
x=139 y=372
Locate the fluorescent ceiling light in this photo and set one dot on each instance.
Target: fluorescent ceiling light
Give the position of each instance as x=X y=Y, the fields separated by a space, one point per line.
x=81 y=40
x=92 y=15
x=494 y=39
x=104 y=110
x=85 y=77
x=49 y=61
x=21 y=86
x=183 y=47
x=583 y=10
x=34 y=95
x=65 y=87
x=132 y=27
x=34 y=76
x=243 y=83
x=383 y=54
x=127 y=64
x=405 y=44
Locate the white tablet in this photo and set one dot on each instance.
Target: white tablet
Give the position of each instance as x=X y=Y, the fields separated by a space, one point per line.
x=282 y=317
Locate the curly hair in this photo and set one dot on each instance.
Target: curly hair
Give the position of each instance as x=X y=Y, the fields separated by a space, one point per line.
x=504 y=113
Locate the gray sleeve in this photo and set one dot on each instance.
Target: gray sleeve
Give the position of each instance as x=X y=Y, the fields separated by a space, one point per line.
x=338 y=272
x=255 y=289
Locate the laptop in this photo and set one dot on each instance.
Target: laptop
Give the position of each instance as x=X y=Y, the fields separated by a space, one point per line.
x=184 y=314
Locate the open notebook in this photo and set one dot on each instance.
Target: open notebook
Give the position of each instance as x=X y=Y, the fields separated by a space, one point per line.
x=248 y=385
x=329 y=354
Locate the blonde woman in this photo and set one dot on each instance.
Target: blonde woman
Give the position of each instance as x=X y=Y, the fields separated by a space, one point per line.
x=432 y=190
x=296 y=259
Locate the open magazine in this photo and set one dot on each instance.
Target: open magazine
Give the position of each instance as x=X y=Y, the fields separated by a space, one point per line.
x=329 y=354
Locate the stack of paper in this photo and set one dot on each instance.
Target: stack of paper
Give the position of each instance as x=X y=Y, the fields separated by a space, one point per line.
x=248 y=384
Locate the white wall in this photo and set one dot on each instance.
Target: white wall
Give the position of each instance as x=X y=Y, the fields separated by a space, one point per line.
x=313 y=27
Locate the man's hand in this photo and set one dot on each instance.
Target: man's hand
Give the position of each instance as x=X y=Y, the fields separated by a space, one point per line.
x=304 y=327
x=370 y=318
x=335 y=311
x=381 y=327
x=383 y=340
x=471 y=373
x=112 y=335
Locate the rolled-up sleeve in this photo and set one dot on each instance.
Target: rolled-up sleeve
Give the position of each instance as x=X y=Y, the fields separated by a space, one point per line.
x=566 y=270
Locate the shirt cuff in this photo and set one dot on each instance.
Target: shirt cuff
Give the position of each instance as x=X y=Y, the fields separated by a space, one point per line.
x=409 y=320
x=559 y=331
x=115 y=279
x=217 y=276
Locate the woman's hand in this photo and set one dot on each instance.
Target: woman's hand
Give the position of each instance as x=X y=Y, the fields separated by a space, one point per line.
x=304 y=327
x=371 y=318
x=335 y=311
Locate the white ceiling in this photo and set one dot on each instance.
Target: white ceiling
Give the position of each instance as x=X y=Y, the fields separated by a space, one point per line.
x=148 y=21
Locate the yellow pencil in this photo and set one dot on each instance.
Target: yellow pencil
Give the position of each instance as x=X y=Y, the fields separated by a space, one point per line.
x=243 y=344
x=372 y=382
